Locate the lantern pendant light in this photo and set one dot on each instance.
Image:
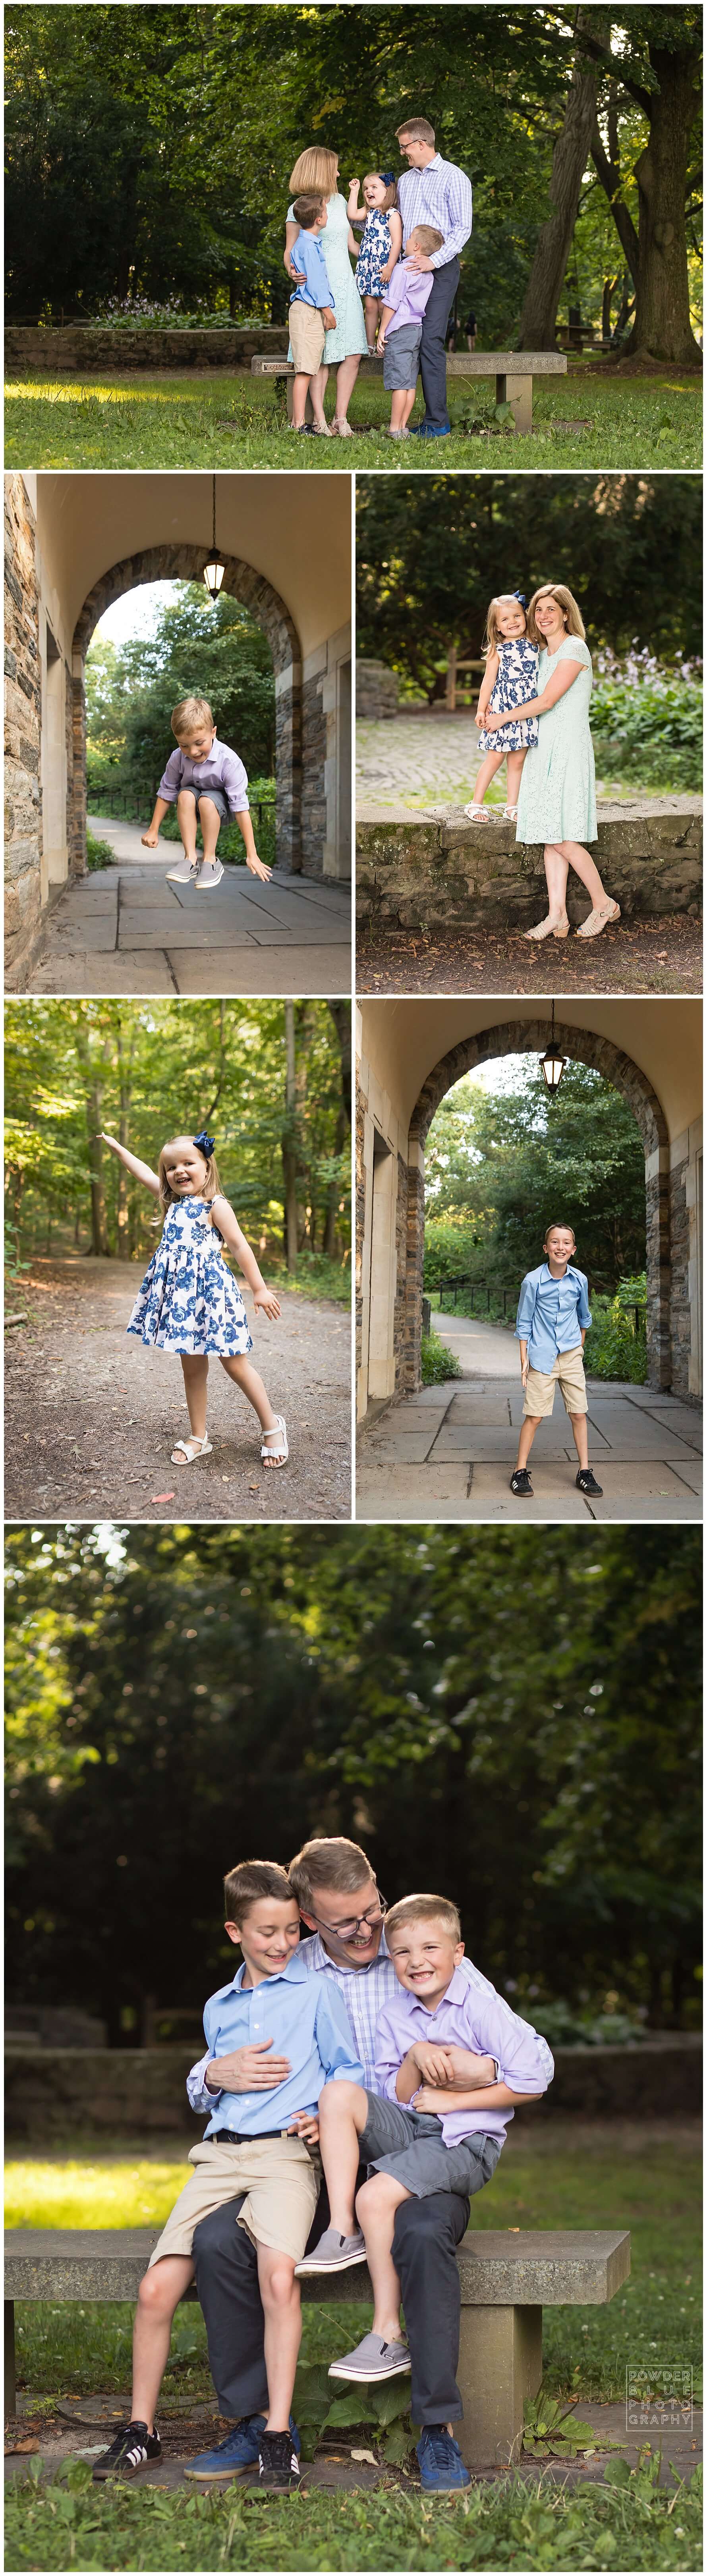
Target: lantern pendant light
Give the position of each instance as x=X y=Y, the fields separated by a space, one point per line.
x=552 y=1062
x=214 y=571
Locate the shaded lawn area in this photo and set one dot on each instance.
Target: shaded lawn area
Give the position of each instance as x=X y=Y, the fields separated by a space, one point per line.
x=160 y=421
x=655 y=2189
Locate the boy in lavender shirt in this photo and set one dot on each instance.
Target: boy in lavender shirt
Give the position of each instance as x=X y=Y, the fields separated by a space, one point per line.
x=203 y=778
x=430 y=2129
x=407 y=293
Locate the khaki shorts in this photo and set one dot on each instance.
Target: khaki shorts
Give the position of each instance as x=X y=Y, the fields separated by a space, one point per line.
x=568 y=1374
x=280 y=2178
x=307 y=337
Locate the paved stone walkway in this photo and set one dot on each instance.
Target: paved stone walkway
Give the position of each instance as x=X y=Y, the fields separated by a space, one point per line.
x=126 y=930
x=424 y=759
x=448 y=1452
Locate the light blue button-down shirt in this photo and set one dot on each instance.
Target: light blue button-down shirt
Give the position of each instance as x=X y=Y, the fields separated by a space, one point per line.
x=552 y=1313
x=470 y=2015
x=307 y=2022
x=309 y=256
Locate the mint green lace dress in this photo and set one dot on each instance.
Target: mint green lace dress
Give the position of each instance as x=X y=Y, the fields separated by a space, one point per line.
x=557 y=799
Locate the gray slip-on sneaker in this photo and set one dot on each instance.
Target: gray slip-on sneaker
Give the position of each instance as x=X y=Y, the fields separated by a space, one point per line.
x=372 y=2359
x=210 y=874
x=184 y=871
x=334 y=2253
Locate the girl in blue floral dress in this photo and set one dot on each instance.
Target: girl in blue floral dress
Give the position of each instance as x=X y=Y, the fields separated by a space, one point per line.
x=188 y=1302
x=381 y=242
x=510 y=677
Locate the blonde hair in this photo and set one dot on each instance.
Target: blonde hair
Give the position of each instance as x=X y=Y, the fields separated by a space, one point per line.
x=418 y=128
x=428 y=239
x=390 y=197
x=574 y=624
x=492 y=630
x=329 y=1860
x=423 y=1909
x=212 y=1184
x=190 y=713
x=314 y=170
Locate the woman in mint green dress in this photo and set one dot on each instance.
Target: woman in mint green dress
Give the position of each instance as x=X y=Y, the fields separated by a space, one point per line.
x=556 y=799
x=347 y=345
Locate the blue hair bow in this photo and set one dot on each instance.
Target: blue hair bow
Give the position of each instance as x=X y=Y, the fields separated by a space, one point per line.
x=204 y=1142
x=388 y=178
x=519 y=595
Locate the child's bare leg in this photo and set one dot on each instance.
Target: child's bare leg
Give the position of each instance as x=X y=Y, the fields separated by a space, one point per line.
x=579 y=1426
x=397 y=410
x=196 y=1371
x=493 y=761
x=186 y=818
x=371 y=307
x=247 y=1377
x=210 y=821
x=409 y=404
x=280 y=2296
x=514 y=767
x=343 y=2112
x=301 y=386
x=527 y=1435
x=158 y=2296
x=376 y=2204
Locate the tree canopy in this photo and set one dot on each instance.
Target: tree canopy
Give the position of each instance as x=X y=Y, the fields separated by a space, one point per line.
x=501 y=1167
x=212 y=649
x=512 y=1723
x=149 y=150
x=145 y=1071
x=432 y=550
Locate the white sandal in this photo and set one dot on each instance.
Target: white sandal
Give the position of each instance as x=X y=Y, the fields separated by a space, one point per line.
x=555 y=926
x=477 y=813
x=191 y=1449
x=598 y=920
x=278 y=1432
x=510 y=813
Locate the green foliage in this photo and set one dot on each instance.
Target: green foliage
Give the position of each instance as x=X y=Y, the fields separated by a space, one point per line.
x=212 y=649
x=650 y=722
x=564 y=2027
x=500 y=1167
x=431 y=553
x=615 y=1346
x=98 y=853
x=294 y=1675
x=552 y=2431
x=438 y=1363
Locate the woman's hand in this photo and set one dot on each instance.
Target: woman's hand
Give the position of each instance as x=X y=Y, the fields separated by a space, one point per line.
x=305 y=2125
x=266 y=1300
x=258 y=868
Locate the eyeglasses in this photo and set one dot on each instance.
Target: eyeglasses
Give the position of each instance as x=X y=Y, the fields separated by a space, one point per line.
x=346 y=1931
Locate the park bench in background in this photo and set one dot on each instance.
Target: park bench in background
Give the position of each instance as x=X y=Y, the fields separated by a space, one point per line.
x=513 y=369
x=507 y=2278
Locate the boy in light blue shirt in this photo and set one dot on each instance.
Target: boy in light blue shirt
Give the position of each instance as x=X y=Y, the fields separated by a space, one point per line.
x=553 y=1317
x=312 y=313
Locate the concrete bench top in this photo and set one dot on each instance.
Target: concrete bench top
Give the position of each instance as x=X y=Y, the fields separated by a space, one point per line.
x=470 y=362
x=498 y=2268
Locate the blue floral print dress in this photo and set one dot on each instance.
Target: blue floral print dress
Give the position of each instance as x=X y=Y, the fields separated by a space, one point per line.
x=516 y=679
x=188 y=1300
x=374 y=253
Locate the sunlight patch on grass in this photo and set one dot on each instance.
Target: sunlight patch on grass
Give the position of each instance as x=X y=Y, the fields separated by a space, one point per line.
x=92 y=2193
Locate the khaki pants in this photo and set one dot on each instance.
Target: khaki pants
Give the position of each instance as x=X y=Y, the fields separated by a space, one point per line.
x=307 y=336
x=280 y=2178
x=568 y=1374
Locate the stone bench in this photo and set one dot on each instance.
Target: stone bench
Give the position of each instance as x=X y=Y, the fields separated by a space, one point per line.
x=513 y=369
x=506 y=2279
x=435 y=870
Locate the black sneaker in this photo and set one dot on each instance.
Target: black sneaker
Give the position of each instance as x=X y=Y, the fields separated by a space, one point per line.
x=587 y=1482
x=520 y=1481
x=278 y=2465
x=132 y=2449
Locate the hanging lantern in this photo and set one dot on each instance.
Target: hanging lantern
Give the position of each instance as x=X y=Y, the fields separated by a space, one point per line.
x=214 y=571
x=552 y=1062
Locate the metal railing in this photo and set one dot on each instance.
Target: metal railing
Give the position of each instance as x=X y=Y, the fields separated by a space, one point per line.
x=484 y=1288
x=134 y=804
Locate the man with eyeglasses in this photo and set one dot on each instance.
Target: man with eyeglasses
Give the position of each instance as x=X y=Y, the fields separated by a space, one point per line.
x=345 y=1915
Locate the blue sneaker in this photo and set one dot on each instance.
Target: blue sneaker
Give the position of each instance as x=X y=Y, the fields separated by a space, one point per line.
x=441 y=2463
x=427 y=429
x=240 y=2451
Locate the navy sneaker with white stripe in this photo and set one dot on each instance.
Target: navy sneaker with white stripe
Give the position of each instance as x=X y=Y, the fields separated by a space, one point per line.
x=131 y=2449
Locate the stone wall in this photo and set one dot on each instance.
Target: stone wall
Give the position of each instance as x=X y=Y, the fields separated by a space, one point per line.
x=314 y=745
x=680 y=1316
x=133 y=2093
x=85 y=349
x=23 y=804
x=376 y=690
x=436 y=871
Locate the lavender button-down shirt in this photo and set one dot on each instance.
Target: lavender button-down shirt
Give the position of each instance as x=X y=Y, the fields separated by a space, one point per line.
x=470 y=2015
x=439 y=195
x=222 y=768
x=408 y=290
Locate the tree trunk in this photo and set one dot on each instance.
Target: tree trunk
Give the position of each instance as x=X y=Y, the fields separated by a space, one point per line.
x=569 y=161
x=608 y=170
x=658 y=257
x=289 y=1150
x=125 y=1063
x=92 y=1085
x=330 y=1229
x=341 y=1016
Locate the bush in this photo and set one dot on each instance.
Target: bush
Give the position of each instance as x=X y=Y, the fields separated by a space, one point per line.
x=438 y=1362
x=563 y=2027
x=614 y=1347
x=142 y=313
x=647 y=719
x=98 y=853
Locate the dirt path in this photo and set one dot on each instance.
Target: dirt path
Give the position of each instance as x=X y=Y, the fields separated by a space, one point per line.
x=91 y=1417
x=637 y=957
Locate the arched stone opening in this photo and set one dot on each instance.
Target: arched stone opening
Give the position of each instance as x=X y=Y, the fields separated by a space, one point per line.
x=295 y=827
x=667 y=1296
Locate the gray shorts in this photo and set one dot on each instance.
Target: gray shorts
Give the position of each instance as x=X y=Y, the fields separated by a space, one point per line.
x=400 y=358
x=216 y=797
x=409 y=2144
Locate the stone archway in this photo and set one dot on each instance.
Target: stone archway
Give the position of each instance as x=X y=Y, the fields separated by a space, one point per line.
x=665 y=1193
x=181 y=562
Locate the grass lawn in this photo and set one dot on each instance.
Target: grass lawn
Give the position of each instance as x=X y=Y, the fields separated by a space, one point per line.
x=65 y=2351
x=162 y=421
